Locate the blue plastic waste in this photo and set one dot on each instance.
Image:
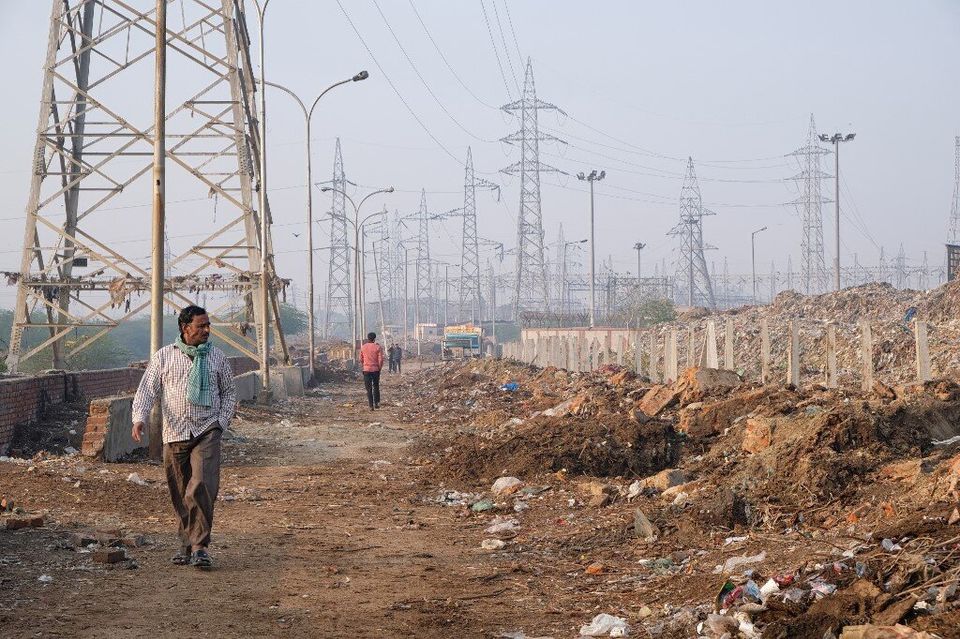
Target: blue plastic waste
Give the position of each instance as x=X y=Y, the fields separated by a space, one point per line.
x=510 y=387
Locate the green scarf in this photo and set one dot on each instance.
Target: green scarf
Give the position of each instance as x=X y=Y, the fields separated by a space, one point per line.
x=198 y=386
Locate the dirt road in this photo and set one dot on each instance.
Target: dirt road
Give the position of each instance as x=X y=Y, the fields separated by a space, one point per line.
x=323 y=529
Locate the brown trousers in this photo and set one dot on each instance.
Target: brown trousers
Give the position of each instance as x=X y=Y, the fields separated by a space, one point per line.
x=193 y=476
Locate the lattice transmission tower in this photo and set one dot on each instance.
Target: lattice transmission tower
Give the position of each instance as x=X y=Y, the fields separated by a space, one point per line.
x=339 y=315
x=813 y=271
x=423 y=289
x=691 y=267
x=471 y=298
x=531 y=272
x=85 y=262
x=953 y=233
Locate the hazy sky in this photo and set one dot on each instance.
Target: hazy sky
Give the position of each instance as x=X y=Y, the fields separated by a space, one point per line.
x=645 y=84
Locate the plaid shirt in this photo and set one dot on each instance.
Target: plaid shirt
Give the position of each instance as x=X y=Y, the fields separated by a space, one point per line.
x=169 y=370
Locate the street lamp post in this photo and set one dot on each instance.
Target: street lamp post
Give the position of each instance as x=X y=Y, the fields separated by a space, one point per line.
x=591 y=178
x=836 y=139
x=264 y=297
x=753 y=260
x=639 y=246
x=307 y=117
x=357 y=225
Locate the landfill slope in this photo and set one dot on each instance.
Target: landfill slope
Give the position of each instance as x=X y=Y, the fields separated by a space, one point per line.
x=844 y=502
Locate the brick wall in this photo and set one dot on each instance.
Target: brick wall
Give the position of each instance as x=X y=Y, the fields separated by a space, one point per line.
x=24 y=399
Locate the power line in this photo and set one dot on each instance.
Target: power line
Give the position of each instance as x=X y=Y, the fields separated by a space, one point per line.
x=423 y=80
x=447 y=62
x=506 y=6
x=496 y=52
x=393 y=86
x=506 y=49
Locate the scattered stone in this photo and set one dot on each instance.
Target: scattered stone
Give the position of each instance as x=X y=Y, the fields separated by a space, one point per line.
x=665 y=479
x=596 y=568
x=643 y=528
x=758 y=435
x=658 y=398
x=109 y=555
x=45 y=579
x=79 y=540
x=506 y=486
x=493 y=544
x=483 y=505
x=954 y=517
x=30 y=521
x=902 y=471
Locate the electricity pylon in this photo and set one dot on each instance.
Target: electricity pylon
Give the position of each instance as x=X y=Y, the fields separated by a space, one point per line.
x=691 y=267
x=813 y=270
x=89 y=201
x=531 y=273
x=339 y=315
x=471 y=299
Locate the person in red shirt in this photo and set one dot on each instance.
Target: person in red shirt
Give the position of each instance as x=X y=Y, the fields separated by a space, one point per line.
x=371 y=359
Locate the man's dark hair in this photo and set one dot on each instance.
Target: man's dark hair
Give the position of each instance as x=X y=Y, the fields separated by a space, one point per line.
x=371 y=336
x=187 y=314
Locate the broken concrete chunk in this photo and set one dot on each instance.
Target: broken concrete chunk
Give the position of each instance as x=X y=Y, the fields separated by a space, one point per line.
x=658 y=398
x=643 y=527
x=665 y=479
x=759 y=434
x=506 y=486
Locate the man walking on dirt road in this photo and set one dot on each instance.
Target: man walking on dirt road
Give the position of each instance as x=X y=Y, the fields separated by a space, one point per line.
x=198 y=400
x=371 y=358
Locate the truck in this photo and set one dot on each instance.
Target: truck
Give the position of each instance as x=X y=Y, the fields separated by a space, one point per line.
x=461 y=341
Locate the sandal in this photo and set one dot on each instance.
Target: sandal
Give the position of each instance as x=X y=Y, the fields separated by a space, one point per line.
x=182 y=558
x=201 y=559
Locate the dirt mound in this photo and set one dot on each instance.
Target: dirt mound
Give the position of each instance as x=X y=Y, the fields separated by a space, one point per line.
x=616 y=447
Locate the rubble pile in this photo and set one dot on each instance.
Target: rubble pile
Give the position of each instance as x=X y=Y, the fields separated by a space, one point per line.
x=882 y=304
x=771 y=511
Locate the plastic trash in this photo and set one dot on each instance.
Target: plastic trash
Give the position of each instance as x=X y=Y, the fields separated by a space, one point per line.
x=136 y=479
x=889 y=546
x=492 y=544
x=510 y=387
x=634 y=490
x=604 y=625
x=482 y=505
x=506 y=486
x=769 y=588
x=502 y=524
x=45 y=579
x=734 y=562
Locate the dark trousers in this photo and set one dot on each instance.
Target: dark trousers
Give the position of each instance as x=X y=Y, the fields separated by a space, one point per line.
x=372 y=381
x=397 y=364
x=193 y=476
x=393 y=366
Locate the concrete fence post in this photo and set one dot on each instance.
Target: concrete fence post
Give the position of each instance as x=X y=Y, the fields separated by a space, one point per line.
x=866 y=354
x=638 y=354
x=691 y=346
x=671 y=355
x=793 y=354
x=711 y=346
x=728 y=362
x=764 y=351
x=831 y=355
x=923 y=351
x=653 y=359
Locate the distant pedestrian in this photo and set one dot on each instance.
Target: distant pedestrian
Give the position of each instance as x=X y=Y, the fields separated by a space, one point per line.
x=371 y=359
x=392 y=357
x=399 y=357
x=198 y=400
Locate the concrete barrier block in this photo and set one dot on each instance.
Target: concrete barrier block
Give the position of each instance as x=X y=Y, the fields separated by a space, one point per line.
x=248 y=385
x=292 y=380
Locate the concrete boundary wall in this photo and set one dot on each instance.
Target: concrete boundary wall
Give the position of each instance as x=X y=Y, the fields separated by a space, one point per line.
x=657 y=352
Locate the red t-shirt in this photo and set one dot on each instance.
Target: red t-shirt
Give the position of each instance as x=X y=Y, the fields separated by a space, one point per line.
x=371 y=357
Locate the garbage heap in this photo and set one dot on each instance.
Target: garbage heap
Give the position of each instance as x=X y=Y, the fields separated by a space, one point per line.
x=775 y=511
